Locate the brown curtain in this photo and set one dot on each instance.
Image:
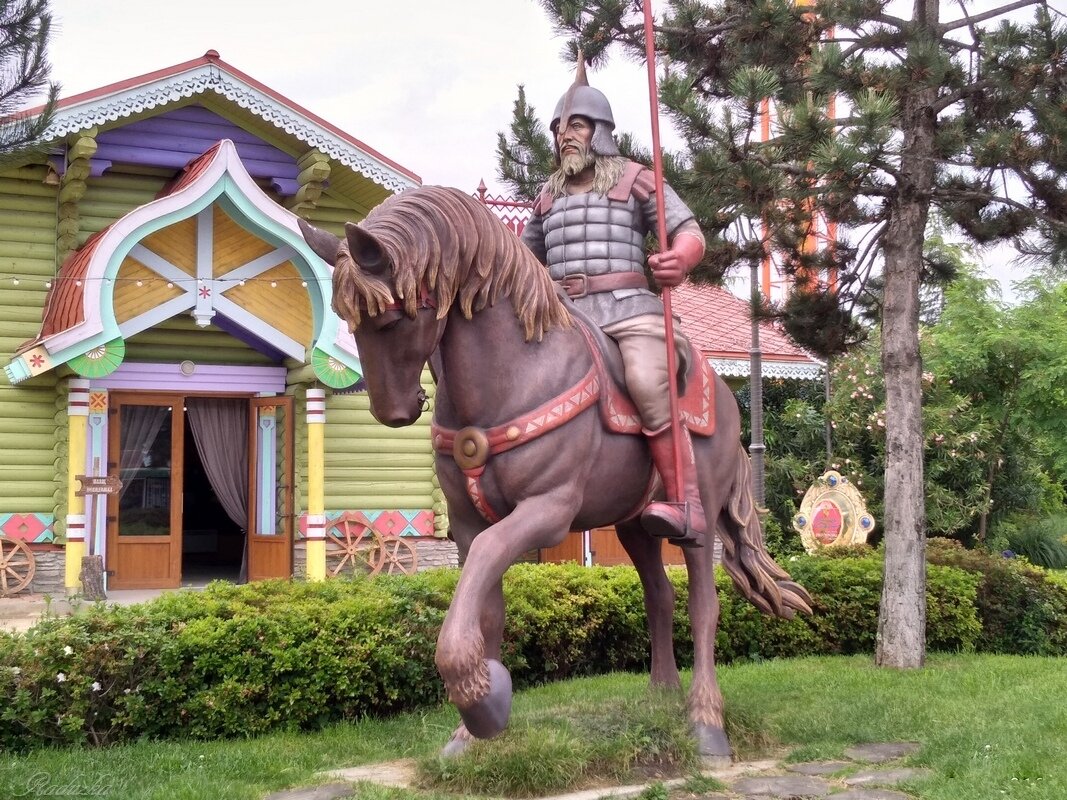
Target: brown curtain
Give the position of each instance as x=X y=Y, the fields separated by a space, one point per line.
x=140 y=426
x=220 y=430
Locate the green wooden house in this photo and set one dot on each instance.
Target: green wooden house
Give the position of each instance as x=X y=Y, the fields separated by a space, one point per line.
x=180 y=399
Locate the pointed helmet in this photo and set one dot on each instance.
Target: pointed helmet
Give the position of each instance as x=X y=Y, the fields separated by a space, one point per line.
x=582 y=100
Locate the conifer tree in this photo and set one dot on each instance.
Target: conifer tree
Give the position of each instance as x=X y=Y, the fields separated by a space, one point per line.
x=878 y=121
x=25 y=26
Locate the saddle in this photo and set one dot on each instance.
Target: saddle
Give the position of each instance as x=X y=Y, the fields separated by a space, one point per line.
x=696 y=399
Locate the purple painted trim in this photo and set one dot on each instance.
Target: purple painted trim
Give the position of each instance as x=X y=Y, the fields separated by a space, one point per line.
x=162 y=156
x=224 y=323
x=174 y=138
x=188 y=139
x=205 y=378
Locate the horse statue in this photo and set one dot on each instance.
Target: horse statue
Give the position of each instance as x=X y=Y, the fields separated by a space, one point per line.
x=522 y=454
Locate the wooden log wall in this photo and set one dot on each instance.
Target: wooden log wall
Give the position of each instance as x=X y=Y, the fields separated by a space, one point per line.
x=369 y=465
x=113 y=195
x=179 y=338
x=32 y=425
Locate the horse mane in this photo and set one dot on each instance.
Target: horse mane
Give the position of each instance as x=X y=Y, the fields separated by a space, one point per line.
x=449 y=245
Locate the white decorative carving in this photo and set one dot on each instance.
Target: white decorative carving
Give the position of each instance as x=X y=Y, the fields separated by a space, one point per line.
x=211 y=78
x=740 y=368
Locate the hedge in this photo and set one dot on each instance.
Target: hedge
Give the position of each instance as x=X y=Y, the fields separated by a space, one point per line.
x=243 y=660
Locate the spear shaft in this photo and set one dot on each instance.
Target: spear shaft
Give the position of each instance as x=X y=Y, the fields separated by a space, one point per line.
x=676 y=492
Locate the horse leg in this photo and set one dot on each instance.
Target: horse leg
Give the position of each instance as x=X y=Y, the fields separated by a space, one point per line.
x=715 y=475
x=646 y=554
x=492 y=627
x=479 y=685
x=705 y=698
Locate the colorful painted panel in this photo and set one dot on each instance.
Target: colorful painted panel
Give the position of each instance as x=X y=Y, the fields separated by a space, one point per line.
x=832 y=513
x=37 y=528
x=139 y=289
x=176 y=244
x=389 y=522
x=233 y=246
x=279 y=296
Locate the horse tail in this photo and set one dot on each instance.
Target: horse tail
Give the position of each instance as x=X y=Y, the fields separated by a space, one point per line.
x=744 y=554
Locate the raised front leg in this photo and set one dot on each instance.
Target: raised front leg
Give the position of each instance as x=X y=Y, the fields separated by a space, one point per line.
x=468 y=660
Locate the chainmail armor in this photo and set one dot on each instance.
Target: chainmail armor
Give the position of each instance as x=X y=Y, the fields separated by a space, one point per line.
x=593 y=235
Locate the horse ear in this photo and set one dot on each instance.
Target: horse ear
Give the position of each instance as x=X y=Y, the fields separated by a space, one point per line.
x=366 y=250
x=324 y=243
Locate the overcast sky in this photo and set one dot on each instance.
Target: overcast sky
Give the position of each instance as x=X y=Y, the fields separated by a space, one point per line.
x=427 y=83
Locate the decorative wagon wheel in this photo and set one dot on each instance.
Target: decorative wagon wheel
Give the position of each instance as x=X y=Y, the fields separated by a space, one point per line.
x=353 y=548
x=400 y=555
x=17 y=566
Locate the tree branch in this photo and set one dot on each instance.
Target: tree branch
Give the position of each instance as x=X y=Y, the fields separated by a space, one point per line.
x=991 y=14
x=960 y=94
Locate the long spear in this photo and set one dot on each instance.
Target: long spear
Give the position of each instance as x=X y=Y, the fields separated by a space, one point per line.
x=675 y=493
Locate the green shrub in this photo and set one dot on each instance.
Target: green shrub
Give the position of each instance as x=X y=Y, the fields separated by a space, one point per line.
x=846 y=588
x=1041 y=541
x=1020 y=610
x=242 y=660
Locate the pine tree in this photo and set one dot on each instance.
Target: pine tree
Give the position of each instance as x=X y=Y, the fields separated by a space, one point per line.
x=879 y=120
x=25 y=26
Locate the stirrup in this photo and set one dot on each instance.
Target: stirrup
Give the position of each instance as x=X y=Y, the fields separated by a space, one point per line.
x=670 y=521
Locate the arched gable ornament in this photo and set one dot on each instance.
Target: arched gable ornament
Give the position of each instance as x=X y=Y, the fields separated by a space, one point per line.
x=85 y=333
x=832 y=513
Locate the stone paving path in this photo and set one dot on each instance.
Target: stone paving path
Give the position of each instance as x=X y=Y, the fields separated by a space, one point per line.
x=869 y=773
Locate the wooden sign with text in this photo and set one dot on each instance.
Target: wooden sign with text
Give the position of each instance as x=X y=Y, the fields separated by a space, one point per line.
x=98 y=484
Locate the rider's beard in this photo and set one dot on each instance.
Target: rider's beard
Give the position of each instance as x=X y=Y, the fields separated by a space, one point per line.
x=607 y=170
x=573 y=162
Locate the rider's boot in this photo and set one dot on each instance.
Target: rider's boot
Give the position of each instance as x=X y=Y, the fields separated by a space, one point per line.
x=681 y=521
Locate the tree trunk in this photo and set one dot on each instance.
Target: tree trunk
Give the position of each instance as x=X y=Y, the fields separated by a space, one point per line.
x=92 y=578
x=901 y=638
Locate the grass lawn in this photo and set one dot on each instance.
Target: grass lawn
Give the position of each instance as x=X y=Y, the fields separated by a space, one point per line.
x=990 y=726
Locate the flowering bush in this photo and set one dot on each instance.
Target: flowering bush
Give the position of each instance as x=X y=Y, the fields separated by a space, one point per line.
x=955 y=443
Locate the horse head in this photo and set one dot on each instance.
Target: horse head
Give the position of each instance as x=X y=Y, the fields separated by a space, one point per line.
x=395 y=338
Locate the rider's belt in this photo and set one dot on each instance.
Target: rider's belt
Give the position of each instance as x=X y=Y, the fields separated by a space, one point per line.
x=580 y=285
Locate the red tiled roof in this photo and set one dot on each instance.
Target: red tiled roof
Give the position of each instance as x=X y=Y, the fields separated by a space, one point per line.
x=720 y=325
x=63 y=304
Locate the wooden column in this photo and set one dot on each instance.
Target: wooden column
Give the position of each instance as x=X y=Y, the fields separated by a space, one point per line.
x=314 y=172
x=78 y=423
x=316 y=509
x=72 y=189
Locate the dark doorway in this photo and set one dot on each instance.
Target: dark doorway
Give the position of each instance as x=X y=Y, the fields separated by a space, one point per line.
x=212 y=544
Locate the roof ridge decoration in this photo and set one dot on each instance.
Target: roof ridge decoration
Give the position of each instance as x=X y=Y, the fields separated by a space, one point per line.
x=789 y=370
x=210 y=74
x=80 y=328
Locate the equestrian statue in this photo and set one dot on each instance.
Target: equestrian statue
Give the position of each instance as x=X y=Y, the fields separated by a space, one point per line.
x=550 y=414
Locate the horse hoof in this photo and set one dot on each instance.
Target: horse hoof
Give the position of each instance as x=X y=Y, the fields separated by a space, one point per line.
x=489 y=716
x=712 y=745
x=457 y=745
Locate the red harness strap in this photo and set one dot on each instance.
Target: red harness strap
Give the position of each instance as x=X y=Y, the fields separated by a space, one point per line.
x=471 y=447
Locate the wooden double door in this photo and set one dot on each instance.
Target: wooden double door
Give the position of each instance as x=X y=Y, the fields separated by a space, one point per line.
x=151 y=524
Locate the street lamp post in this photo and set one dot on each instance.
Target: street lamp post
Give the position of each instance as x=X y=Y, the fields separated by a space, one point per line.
x=755 y=382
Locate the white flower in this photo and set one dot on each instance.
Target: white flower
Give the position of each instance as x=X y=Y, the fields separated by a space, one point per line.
x=61 y=677
x=16 y=671
x=96 y=686
x=68 y=650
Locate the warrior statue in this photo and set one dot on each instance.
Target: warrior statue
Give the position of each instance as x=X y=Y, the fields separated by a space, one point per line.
x=588 y=227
